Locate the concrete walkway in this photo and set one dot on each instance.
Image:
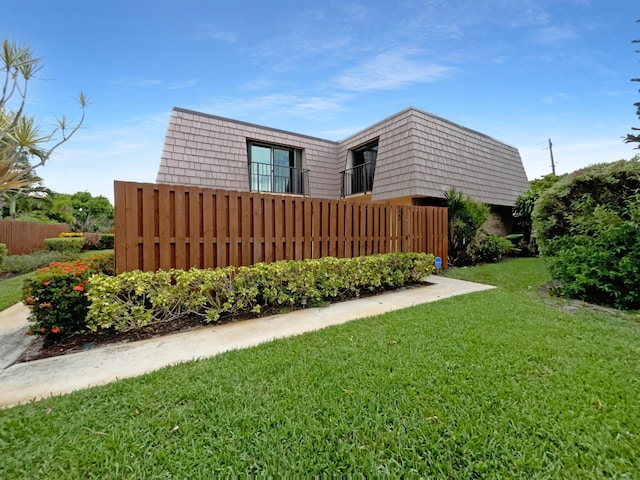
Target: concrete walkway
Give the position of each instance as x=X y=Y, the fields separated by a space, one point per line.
x=23 y=382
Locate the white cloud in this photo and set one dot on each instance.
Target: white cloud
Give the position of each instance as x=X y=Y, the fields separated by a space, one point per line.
x=554 y=36
x=139 y=82
x=221 y=35
x=391 y=70
x=277 y=105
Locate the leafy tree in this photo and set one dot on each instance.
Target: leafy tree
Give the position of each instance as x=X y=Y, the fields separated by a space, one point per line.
x=91 y=214
x=632 y=137
x=23 y=146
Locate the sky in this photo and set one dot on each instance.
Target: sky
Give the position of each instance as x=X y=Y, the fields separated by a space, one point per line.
x=521 y=71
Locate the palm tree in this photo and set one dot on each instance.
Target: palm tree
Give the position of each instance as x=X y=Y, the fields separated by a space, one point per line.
x=23 y=147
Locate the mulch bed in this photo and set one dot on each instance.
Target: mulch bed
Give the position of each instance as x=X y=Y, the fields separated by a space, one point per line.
x=46 y=347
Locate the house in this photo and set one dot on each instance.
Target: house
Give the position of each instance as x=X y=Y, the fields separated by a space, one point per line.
x=412 y=157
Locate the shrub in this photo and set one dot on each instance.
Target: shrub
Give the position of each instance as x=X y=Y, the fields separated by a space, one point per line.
x=491 y=248
x=71 y=234
x=3 y=252
x=587 y=224
x=523 y=211
x=18 y=264
x=57 y=294
x=136 y=299
x=466 y=217
x=67 y=244
x=106 y=241
x=92 y=241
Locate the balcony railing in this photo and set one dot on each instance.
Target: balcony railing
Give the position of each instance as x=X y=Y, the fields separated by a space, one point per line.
x=279 y=179
x=358 y=179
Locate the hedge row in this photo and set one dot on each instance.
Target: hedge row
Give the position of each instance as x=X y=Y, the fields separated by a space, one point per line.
x=136 y=299
x=84 y=295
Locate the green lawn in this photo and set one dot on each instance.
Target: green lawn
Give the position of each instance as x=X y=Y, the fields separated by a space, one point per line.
x=495 y=384
x=11 y=291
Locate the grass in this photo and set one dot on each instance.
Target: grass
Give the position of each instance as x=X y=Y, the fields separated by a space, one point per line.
x=494 y=384
x=11 y=289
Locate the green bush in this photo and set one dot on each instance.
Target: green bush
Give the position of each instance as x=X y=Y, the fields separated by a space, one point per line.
x=106 y=241
x=92 y=241
x=19 y=264
x=523 y=212
x=136 y=299
x=65 y=244
x=466 y=217
x=56 y=294
x=587 y=224
x=491 y=248
x=3 y=252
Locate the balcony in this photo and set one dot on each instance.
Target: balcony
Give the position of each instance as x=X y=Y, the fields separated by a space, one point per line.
x=358 y=179
x=279 y=179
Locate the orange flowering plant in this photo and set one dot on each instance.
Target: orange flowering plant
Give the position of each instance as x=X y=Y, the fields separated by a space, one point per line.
x=56 y=294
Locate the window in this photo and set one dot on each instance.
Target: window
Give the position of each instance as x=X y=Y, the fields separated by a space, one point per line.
x=276 y=169
x=359 y=178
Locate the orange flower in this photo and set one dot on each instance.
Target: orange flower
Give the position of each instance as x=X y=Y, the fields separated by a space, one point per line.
x=79 y=288
x=45 y=304
x=29 y=299
x=55 y=330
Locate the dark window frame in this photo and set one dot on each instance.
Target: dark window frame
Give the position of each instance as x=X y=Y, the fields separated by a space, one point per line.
x=283 y=174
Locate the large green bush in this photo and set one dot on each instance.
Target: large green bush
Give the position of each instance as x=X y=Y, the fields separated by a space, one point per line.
x=3 y=252
x=588 y=224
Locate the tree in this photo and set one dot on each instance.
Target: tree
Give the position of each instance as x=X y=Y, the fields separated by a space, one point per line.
x=631 y=137
x=91 y=214
x=23 y=147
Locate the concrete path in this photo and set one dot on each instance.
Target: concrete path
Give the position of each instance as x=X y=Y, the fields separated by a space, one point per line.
x=24 y=382
x=13 y=337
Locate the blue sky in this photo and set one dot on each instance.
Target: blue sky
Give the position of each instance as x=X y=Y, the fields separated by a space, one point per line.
x=522 y=71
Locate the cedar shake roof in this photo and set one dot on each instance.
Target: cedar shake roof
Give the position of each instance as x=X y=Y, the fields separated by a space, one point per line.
x=419 y=155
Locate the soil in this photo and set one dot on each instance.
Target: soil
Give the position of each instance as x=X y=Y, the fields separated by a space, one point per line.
x=52 y=346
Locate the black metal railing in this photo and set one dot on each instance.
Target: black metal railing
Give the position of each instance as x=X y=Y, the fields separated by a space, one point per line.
x=358 y=179
x=279 y=179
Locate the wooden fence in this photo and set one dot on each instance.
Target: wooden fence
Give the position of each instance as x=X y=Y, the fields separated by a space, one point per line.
x=25 y=237
x=168 y=226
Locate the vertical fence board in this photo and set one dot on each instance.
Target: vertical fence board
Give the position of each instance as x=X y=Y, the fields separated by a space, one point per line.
x=169 y=226
x=289 y=229
x=222 y=233
x=148 y=222
x=246 y=215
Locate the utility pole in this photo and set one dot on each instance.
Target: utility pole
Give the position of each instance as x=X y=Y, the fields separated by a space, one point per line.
x=553 y=165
